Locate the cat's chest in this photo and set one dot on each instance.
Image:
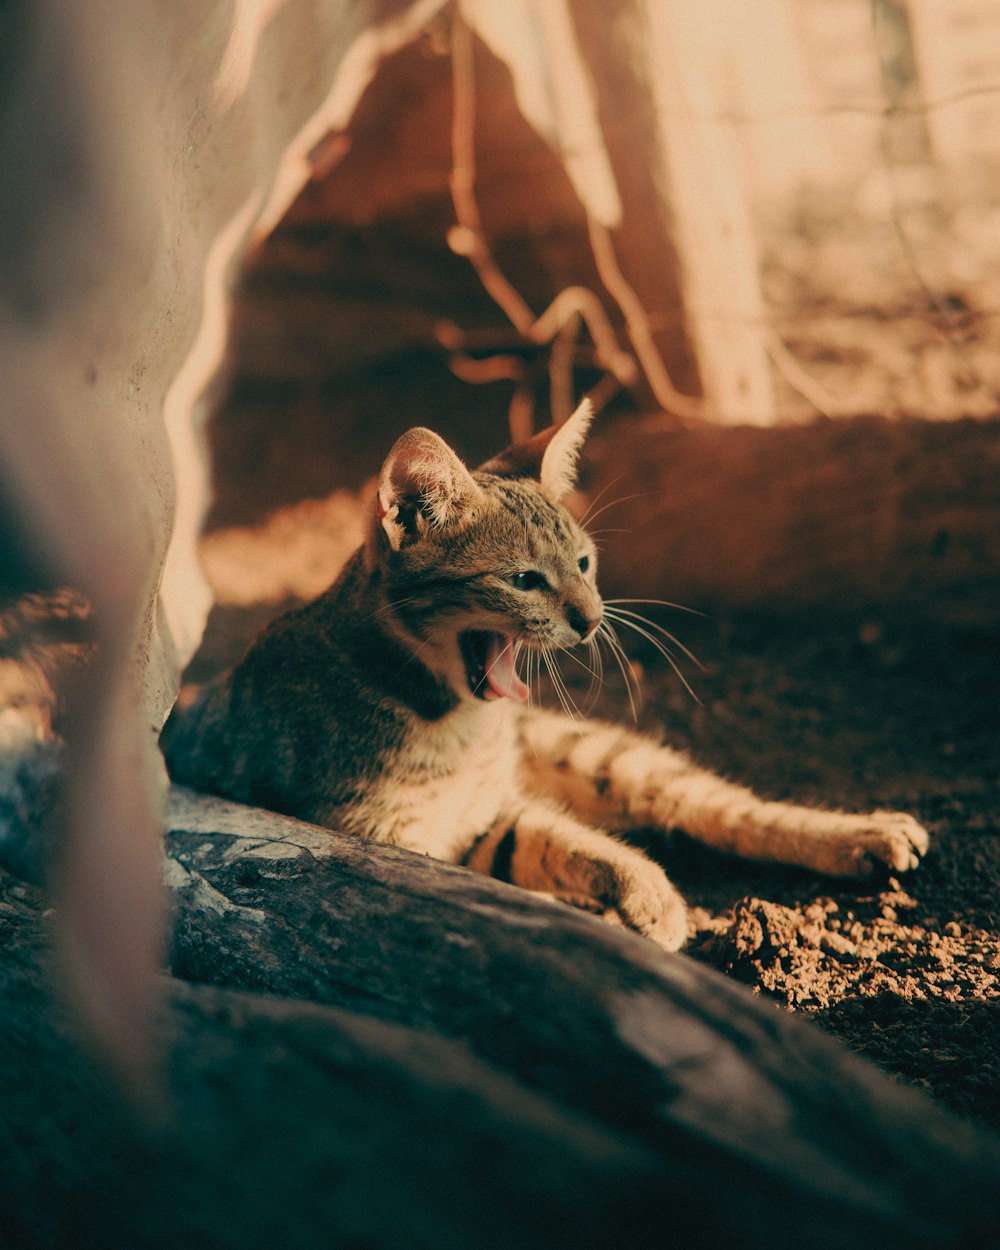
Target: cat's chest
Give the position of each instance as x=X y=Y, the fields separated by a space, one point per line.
x=446 y=786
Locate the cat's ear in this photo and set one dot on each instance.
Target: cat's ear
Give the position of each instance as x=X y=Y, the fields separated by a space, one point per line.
x=550 y=455
x=423 y=485
x=559 y=460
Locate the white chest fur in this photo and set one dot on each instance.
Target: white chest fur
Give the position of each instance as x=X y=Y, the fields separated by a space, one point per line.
x=449 y=783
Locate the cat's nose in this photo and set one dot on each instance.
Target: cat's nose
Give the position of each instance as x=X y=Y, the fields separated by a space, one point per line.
x=585 y=626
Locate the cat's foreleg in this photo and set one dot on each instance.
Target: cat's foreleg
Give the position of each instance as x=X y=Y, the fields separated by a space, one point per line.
x=624 y=780
x=544 y=849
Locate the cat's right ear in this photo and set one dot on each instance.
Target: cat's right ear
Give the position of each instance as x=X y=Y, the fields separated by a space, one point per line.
x=422 y=486
x=550 y=455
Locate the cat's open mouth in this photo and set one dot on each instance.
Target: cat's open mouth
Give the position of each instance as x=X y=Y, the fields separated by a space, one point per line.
x=489 y=666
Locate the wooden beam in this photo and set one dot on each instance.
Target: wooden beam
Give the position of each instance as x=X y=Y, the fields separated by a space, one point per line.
x=685 y=243
x=848 y=516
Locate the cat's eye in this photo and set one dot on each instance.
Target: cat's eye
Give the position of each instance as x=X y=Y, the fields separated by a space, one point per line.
x=530 y=579
x=583 y=564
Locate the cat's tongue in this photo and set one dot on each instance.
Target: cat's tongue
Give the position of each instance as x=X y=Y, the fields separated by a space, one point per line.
x=502 y=679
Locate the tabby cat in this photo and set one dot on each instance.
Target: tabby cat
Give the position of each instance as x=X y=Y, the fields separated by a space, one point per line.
x=392 y=706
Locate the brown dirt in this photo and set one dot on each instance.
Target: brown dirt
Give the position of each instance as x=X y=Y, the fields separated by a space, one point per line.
x=904 y=970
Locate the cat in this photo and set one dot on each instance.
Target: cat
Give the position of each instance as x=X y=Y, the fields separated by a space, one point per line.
x=392 y=706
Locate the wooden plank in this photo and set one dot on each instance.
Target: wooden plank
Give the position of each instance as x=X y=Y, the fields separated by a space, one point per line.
x=849 y=516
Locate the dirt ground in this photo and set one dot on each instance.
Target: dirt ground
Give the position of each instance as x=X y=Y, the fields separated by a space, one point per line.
x=904 y=970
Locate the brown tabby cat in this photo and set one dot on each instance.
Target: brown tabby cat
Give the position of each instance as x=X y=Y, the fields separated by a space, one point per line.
x=392 y=706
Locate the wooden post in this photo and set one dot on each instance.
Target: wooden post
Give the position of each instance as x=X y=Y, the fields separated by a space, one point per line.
x=685 y=244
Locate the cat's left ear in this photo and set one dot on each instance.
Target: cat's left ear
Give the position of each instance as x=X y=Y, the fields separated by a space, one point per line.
x=550 y=455
x=423 y=485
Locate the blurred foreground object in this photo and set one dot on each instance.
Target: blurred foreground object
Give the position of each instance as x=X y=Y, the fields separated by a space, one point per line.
x=142 y=150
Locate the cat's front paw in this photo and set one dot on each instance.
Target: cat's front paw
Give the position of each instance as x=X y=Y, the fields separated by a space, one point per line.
x=643 y=901
x=893 y=839
x=646 y=902
x=669 y=929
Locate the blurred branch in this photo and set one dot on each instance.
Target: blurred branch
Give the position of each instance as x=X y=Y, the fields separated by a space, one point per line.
x=637 y=324
x=559 y=324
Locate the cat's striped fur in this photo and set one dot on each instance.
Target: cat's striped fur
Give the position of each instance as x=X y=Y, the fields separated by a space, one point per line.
x=392 y=705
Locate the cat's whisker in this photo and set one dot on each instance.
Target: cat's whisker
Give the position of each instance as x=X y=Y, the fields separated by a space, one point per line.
x=595 y=650
x=393 y=603
x=594 y=670
x=633 y=685
x=532 y=672
x=599 y=496
x=559 y=685
x=554 y=677
x=591 y=666
x=415 y=654
x=573 y=654
x=662 y=603
x=389 y=607
x=531 y=676
x=537 y=662
x=618 y=614
x=543 y=659
x=663 y=650
x=606 y=633
x=640 y=623
x=593 y=661
x=479 y=684
x=592 y=516
x=521 y=648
